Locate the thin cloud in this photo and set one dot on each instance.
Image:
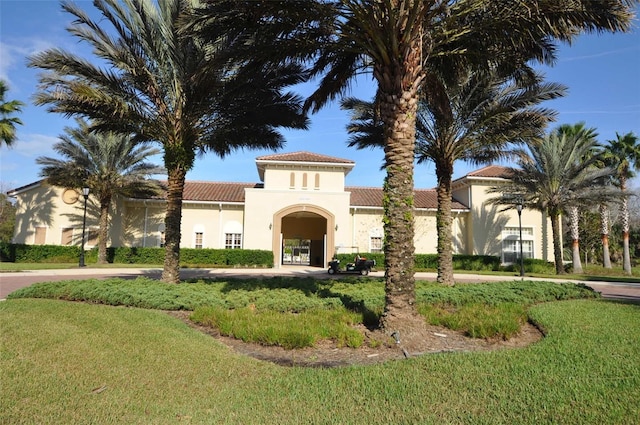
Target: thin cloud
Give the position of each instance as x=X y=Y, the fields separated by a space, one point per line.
x=600 y=54
x=31 y=146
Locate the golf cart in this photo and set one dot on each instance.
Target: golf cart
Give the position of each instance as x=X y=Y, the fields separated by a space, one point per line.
x=360 y=266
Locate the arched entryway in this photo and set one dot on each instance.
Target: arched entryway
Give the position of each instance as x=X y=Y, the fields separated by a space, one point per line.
x=307 y=231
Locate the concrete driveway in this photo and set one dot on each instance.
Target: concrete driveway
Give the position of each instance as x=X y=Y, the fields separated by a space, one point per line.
x=12 y=281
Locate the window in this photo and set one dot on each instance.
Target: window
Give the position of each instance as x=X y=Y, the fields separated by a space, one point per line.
x=67 y=236
x=526 y=231
x=292 y=180
x=511 y=250
x=40 y=237
x=233 y=240
x=511 y=244
x=317 y=182
x=376 y=244
x=304 y=180
x=198 y=243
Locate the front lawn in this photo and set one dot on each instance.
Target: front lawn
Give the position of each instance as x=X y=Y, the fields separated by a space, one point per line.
x=77 y=363
x=298 y=312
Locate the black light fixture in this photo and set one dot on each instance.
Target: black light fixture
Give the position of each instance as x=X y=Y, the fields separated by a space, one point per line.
x=519 y=207
x=85 y=193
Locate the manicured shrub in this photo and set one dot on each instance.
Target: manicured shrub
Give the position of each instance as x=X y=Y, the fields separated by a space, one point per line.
x=21 y=253
x=45 y=253
x=532 y=265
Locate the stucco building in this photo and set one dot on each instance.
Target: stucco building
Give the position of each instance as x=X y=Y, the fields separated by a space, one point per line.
x=301 y=210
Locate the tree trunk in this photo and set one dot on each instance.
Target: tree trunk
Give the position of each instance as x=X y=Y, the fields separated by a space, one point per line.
x=554 y=215
x=624 y=212
x=176 y=178
x=575 y=239
x=444 y=171
x=604 y=230
x=104 y=230
x=398 y=83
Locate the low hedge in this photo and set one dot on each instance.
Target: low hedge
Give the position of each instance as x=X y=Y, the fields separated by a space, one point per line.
x=430 y=261
x=19 y=253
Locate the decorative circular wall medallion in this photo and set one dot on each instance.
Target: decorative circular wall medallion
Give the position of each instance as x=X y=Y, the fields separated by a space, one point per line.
x=70 y=196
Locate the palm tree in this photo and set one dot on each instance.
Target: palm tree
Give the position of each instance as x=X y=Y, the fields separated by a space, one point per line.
x=625 y=150
x=579 y=131
x=7 y=122
x=109 y=164
x=165 y=86
x=603 y=209
x=396 y=41
x=556 y=173
x=485 y=113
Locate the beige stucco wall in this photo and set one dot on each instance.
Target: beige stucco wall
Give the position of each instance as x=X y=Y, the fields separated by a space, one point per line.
x=42 y=207
x=278 y=177
x=484 y=229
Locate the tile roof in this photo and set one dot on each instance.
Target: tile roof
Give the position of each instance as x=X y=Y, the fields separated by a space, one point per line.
x=495 y=171
x=360 y=196
x=213 y=191
x=372 y=197
x=303 y=156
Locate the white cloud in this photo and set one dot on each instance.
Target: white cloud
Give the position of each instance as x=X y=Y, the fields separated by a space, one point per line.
x=30 y=146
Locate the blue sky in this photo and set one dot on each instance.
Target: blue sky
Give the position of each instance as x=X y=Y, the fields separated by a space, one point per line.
x=601 y=71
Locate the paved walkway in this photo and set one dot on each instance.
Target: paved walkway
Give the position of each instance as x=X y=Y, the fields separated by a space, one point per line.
x=12 y=281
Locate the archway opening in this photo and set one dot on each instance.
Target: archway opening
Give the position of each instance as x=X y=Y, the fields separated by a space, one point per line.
x=302 y=235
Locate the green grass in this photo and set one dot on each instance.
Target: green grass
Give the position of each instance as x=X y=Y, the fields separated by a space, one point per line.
x=298 y=312
x=75 y=363
x=288 y=330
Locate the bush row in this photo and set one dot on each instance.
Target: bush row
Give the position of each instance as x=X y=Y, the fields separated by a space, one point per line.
x=241 y=257
x=461 y=262
x=19 y=253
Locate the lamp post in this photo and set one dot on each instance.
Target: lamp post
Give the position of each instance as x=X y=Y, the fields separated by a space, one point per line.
x=519 y=207
x=85 y=193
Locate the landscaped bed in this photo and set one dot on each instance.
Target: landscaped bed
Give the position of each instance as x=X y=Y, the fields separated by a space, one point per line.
x=303 y=321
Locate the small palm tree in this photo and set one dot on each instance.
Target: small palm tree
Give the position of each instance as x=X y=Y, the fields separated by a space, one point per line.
x=578 y=131
x=556 y=173
x=109 y=164
x=168 y=86
x=625 y=153
x=7 y=121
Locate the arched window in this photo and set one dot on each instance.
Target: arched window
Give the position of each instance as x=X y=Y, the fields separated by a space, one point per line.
x=292 y=180
x=317 y=182
x=304 y=180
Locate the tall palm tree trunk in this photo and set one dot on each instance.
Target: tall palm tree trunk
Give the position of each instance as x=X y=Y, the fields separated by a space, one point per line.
x=604 y=231
x=398 y=108
x=444 y=171
x=575 y=239
x=554 y=215
x=175 y=182
x=103 y=232
x=624 y=212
